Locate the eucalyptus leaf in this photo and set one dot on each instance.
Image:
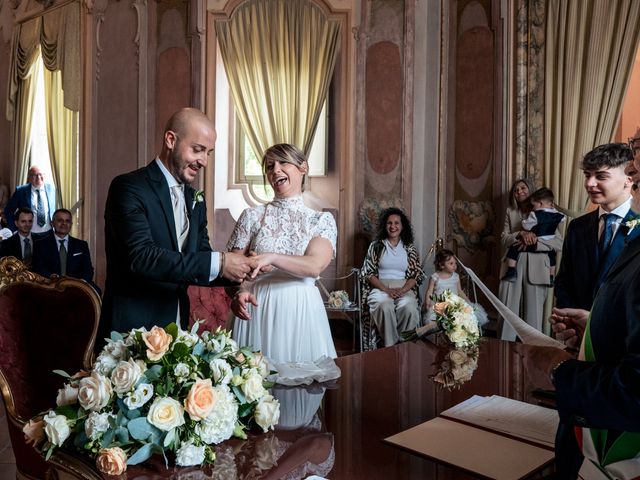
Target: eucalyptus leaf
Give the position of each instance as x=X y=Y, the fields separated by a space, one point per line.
x=140 y=428
x=238 y=393
x=141 y=455
x=107 y=438
x=62 y=373
x=116 y=336
x=153 y=373
x=169 y=438
x=123 y=435
x=198 y=349
x=80 y=439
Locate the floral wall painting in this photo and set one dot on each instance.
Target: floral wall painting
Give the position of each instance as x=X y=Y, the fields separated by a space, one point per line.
x=472 y=224
x=369 y=213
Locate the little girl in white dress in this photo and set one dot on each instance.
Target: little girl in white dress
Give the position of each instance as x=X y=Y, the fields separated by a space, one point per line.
x=446 y=278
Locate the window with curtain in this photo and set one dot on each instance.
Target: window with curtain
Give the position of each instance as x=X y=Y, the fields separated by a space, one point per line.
x=279 y=56
x=45 y=82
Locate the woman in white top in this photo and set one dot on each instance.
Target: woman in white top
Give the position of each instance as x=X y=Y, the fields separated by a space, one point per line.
x=281 y=312
x=392 y=272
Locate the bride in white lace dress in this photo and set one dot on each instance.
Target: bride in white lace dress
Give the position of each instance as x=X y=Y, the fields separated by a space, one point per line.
x=281 y=312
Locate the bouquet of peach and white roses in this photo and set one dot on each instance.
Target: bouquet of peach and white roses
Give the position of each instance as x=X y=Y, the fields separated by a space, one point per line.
x=456 y=367
x=157 y=391
x=338 y=299
x=455 y=317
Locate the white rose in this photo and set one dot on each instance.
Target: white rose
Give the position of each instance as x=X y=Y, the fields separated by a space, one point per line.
x=267 y=412
x=131 y=336
x=188 y=454
x=252 y=386
x=117 y=349
x=139 y=397
x=221 y=371
x=68 y=395
x=95 y=392
x=56 y=428
x=458 y=357
x=105 y=364
x=125 y=376
x=166 y=413
x=96 y=424
x=259 y=362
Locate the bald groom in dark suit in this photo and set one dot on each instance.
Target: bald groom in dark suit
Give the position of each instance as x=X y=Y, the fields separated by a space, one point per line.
x=156 y=233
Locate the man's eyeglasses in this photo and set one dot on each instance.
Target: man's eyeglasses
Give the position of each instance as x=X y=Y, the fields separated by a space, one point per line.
x=36 y=175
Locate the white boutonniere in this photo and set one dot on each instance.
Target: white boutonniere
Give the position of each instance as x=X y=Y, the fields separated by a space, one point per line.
x=631 y=224
x=198 y=197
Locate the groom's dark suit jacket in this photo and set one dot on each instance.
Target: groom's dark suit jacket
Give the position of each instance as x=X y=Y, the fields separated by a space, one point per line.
x=146 y=274
x=578 y=273
x=606 y=393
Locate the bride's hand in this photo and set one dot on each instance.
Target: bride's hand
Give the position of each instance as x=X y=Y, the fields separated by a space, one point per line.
x=261 y=264
x=239 y=304
x=266 y=268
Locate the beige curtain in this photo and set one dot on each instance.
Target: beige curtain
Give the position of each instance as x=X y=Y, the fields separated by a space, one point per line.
x=590 y=52
x=23 y=122
x=62 y=137
x=25 y=50
x=56 y=36
x=279 y=57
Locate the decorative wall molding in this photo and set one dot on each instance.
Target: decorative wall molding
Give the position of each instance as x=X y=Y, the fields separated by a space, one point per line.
x=97 y=9
x=529 y=92
x=141 y=40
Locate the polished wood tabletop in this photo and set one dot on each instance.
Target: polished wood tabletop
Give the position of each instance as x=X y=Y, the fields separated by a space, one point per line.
x=336 y=431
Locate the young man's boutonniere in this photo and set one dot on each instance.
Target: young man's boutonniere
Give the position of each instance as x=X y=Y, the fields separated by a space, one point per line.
x=631 y=224
x=198 y=197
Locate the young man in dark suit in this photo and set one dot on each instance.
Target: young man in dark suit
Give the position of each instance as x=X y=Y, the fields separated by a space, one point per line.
x=59 y=253
x=156 y=233
x=597 y=395
x=20 y=244
x=35 y=195
x=585 y=257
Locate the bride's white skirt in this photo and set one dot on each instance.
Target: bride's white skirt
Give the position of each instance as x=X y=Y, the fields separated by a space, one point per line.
x=290 y=322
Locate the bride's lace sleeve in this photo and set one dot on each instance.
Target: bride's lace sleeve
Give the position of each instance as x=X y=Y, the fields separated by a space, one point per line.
x=326 y=228
x=241 y=236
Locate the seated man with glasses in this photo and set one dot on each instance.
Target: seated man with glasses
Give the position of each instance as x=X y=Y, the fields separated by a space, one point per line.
x=35 y=195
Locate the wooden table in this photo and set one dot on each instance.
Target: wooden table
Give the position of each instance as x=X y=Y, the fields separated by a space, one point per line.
x=380 y=393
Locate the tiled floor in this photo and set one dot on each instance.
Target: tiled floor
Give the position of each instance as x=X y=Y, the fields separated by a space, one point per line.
x=7 y=460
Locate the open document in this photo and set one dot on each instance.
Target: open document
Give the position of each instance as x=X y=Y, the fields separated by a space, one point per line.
x=494 y=437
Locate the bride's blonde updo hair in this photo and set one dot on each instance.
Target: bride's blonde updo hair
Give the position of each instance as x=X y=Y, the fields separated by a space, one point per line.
x=284 y=153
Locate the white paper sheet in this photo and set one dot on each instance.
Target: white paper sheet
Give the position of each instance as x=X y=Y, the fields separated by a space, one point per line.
x=526 y=332
x=518 y=419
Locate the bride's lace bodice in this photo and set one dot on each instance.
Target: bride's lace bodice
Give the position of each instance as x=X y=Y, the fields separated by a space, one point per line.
x=285 y=225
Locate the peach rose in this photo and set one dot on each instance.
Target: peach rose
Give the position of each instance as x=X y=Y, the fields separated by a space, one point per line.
x=439 y=307
x=200 y=400
x=112 y=461
x=34 y=431
x=158 y=342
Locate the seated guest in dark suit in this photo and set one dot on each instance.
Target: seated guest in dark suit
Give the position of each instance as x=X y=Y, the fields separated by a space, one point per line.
x=36 y=195
x=20 y=245
x=59 y=253
x=594 y=240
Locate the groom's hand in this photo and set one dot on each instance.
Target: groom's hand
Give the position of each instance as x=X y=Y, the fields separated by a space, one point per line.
x=235 y=266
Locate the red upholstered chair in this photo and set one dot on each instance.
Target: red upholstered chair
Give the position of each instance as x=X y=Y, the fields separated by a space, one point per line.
x=45 y=324
x=210 y=305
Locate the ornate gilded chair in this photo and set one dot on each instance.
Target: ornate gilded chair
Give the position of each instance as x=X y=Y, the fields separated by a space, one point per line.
x=45 y=324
